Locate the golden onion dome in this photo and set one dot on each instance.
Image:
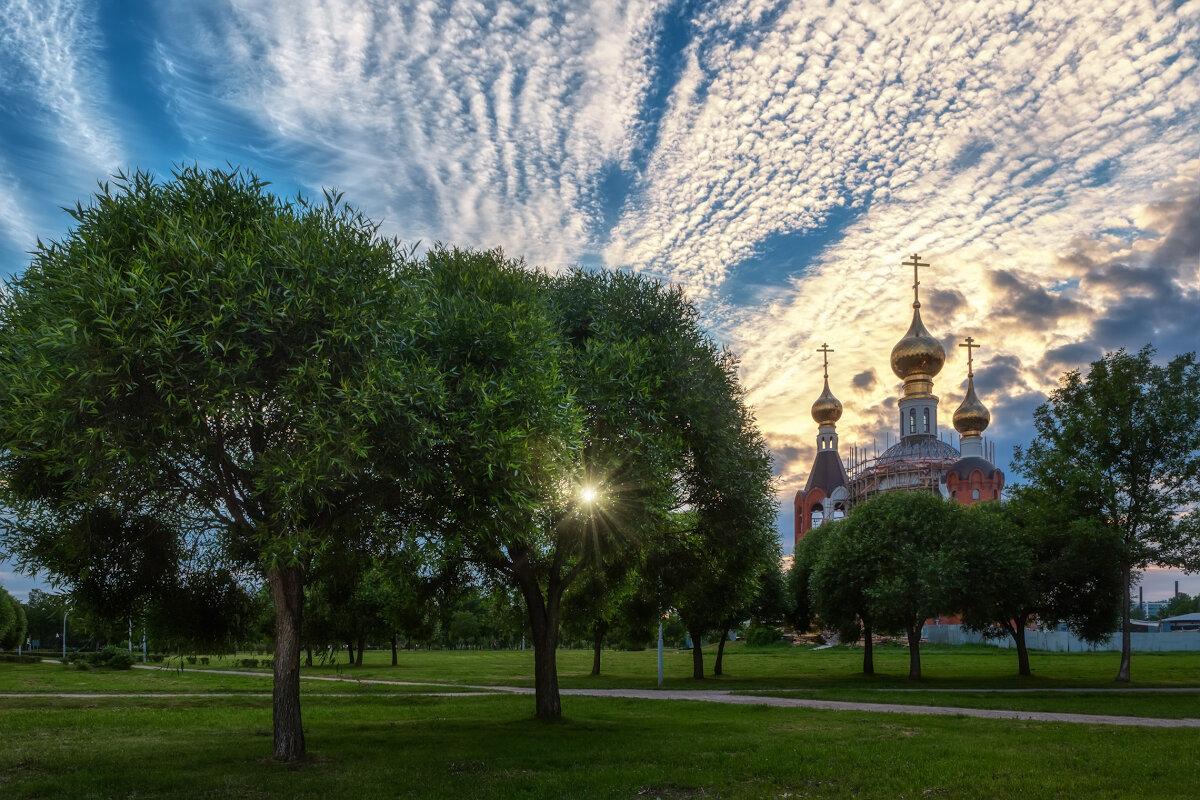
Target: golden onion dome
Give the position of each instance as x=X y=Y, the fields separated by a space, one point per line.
x=828 y=409
x=972 y=416
x=918 y=353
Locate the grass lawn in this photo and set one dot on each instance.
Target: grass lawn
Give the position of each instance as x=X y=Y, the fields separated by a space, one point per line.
x=390 y=742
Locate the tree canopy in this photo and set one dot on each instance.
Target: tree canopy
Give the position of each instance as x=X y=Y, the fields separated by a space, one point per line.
x=237 y=367
x=1120 y=446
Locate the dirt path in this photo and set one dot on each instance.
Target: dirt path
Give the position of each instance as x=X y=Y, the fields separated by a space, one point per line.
x=728 y=697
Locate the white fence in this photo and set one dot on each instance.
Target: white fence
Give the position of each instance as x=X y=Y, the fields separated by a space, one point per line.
x=1066 y=642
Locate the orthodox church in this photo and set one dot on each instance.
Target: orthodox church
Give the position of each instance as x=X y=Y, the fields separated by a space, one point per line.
x=920 y=461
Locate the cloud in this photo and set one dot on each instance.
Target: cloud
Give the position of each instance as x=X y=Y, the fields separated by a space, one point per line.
x=1025 y=304
x=481 y=124
x=53 y=56
x=865 y=381
x=56 y=129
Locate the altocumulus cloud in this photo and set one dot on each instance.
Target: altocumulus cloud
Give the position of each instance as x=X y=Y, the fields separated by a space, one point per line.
x=478 y=123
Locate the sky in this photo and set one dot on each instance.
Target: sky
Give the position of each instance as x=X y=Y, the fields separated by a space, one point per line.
x=778 y=160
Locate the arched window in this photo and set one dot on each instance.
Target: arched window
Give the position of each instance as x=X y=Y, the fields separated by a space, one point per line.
x=839 y=511
x=974 y=494
x=912 y=420
x=954 y=494
x=818 y=516
x=927 y=420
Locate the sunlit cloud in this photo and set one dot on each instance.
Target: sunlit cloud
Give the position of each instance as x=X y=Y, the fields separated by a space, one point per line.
x=986 y=137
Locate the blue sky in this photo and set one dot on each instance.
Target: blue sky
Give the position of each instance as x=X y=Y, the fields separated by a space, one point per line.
x=776 y=159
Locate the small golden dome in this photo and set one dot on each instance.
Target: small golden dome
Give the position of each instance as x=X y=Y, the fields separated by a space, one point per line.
x=828 y=409
x=972 y=416
x=918 y=353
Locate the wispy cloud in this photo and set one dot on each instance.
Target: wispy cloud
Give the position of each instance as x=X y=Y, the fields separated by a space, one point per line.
x=51 y=54
x=478 y=123
x=56 y=132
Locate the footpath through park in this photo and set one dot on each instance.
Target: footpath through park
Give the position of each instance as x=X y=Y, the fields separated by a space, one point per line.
x=728 y=697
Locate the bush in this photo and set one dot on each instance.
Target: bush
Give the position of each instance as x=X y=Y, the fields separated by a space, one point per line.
x=204 y=661
x=763 y=636
x=249 y=662
x=109 y=658
x=269 y=663
x=191 y=659
x=13 y=658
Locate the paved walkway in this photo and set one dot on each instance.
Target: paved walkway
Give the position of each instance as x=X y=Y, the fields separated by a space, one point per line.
x=717 y=696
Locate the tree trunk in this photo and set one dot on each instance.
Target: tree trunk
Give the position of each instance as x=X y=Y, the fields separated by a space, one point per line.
x=362 y=645
x=395 y=662
x=1022 y=650
x=868 y=650
x=308 y=656
x=597 y=643
x=720 y=651
x=914 y=651
x=543 y=623
x=697 y=657
x=349 y=652
x=1126 y=644
x=287 y=593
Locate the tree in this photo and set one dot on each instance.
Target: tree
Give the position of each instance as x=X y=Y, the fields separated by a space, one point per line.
x=801 y=608
x=203 y=352
x=1121 y=447
x=12 y=621
x=1182 y=603
x=1009 y=564
x=888 y=559
x=44 y=613
x=837 y=569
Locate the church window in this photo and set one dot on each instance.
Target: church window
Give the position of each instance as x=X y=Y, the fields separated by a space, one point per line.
x=974 y=494
x=927 y=420
x=954 y=494
x=912 y=420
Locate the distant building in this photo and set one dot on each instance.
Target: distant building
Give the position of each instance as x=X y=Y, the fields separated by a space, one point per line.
x=921 y=460
x=1183 y=622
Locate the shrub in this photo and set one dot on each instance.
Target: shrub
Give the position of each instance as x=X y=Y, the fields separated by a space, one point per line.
x=763 y=636
x=110 y=657
x=204 y=661
x=269 y=663
x=191 y=659
x=13 y=658
x=249 y=662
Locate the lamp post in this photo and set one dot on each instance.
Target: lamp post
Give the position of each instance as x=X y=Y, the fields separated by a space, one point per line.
x=64 y=654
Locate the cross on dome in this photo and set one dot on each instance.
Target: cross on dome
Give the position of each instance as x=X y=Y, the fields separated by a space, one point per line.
x=916 y=262
x=970 y=345
x=825 y=350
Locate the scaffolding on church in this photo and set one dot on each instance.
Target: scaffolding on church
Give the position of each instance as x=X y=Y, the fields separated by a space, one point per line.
x=881 y=474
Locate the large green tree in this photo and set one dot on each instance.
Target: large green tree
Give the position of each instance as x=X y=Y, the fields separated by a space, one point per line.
x=884 y=563
x=1121 y=446
x=1010 y=564
x=199 y=350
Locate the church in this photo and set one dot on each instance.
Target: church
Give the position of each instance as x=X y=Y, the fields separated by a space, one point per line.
x=920 y=461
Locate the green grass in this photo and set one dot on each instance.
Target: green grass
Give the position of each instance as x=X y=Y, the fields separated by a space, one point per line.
x=489 y=747
x=783 y=668
x=390 y=741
